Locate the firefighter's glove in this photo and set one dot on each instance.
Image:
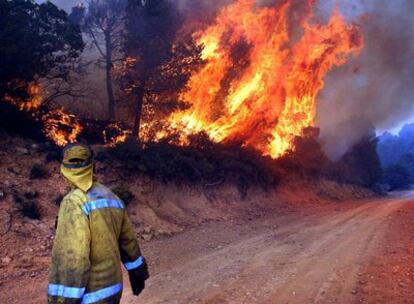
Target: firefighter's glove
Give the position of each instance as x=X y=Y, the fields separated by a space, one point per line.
x=137 y=278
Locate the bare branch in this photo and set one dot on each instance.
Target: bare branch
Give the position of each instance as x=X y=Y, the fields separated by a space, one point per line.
x=96 y=43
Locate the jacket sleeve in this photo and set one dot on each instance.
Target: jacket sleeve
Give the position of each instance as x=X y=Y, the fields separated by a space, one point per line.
x=132 y=258
x=70 y=267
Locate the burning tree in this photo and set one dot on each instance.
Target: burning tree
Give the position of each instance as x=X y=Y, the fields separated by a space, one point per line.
x=39 y=50
x=260 y=83
x=249 y=78
x=157 y=65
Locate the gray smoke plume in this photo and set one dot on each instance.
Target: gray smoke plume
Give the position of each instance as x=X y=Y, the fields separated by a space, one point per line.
x=377 y=88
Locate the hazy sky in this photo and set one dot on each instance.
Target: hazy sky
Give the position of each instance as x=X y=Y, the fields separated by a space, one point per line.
x=65 y=4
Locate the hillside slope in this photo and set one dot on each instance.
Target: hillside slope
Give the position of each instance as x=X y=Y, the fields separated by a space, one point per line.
x=157 y=210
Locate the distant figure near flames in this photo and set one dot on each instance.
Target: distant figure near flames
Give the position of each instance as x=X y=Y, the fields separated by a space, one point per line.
x=94 y=235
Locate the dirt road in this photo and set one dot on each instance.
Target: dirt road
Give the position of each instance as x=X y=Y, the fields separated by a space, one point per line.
x=359 y=252
x=311 y=259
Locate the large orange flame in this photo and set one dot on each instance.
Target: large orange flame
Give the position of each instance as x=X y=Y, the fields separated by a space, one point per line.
x=264 y=95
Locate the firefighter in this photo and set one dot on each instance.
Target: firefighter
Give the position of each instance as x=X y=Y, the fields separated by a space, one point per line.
x=94 y=236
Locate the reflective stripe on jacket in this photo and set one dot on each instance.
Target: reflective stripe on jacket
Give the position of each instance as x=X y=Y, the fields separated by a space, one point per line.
x=94 y=236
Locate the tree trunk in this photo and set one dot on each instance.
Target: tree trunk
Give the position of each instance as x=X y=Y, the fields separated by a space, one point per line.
x=139 y=101
x=109 y=85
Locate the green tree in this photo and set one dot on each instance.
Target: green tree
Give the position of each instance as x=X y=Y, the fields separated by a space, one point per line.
x=407 y=161
x=397 y=177
x=362 y=164
x=35 y=40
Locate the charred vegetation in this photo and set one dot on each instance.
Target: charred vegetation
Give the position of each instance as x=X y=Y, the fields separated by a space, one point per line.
x=201 y=163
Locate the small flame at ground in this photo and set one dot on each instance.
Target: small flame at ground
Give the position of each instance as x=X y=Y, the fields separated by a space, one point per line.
x=60 y=127
x=266 y=95
x=115 y=134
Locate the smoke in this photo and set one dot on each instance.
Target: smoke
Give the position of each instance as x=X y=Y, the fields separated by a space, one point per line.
x=200 y=13
x=372 y=91
x=375 y=89
x=206 y=6
x=204 y=11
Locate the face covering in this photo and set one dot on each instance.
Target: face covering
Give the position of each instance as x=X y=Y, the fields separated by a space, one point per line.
x=77 y=166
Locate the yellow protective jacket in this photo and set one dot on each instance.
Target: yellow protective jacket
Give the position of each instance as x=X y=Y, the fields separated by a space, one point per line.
x=94 y=236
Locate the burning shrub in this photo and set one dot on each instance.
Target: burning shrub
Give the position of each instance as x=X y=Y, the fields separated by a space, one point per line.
x=115 y=133
x=38 y=171
x=61 y=127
